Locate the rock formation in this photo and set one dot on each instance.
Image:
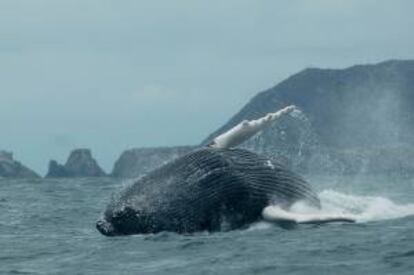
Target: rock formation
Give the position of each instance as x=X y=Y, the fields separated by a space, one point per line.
x=361 y=119
x=79 y=164
x=135 y=162
x=9 y=168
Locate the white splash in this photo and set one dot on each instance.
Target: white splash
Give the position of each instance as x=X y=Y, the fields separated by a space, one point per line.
x=270 y=164
x=363 y=208
x=337 y=206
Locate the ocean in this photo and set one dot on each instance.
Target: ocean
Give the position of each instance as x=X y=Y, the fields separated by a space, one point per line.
x=47 y=226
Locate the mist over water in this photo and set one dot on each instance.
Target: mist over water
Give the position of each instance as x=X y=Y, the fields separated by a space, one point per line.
x=54 y=232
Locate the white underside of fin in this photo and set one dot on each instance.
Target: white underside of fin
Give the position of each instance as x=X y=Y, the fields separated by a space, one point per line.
x=246 y=129
x=276 y=214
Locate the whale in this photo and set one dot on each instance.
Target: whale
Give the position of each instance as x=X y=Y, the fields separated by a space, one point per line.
x=209 y=189
x=214 y=188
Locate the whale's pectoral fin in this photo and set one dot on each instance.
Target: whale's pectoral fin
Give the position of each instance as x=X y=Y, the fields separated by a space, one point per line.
x=247 y=128
x=289 y=220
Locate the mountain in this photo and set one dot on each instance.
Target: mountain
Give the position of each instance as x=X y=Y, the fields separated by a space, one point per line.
x=80 y=163
x=353 y=121
x=359 y=118
x=10 y=168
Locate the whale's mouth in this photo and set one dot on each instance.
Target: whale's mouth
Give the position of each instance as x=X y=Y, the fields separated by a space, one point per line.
x=105 y=227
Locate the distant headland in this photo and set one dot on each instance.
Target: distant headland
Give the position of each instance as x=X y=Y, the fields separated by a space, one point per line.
x=358 y=120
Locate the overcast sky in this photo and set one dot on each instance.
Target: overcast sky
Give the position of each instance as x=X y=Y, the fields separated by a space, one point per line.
x=112 y=75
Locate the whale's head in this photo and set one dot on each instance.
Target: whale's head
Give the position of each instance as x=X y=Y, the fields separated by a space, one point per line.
x=150 y=204
x=132 y=211
x=125 y=221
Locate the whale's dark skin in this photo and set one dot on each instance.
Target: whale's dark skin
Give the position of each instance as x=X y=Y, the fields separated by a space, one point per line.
x=208 y=189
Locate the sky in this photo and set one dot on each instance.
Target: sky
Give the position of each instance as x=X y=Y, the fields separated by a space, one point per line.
x=111 y=75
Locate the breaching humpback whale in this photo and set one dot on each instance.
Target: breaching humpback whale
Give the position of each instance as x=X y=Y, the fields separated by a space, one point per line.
x=215 y=188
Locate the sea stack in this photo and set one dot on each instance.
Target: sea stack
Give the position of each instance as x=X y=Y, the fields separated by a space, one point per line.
x=79 y=164
x=9 y=168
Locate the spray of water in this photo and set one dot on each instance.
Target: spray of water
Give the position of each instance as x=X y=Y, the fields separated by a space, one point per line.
x=337 y=205
x=340 y=207
x=363 y=208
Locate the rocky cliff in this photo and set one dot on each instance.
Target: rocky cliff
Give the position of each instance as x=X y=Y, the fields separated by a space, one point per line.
x=10 y=168
x=135 y=162
x=358 y=120
x=79 y=164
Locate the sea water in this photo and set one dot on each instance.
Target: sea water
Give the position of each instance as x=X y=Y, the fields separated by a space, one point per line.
x=48 y=227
